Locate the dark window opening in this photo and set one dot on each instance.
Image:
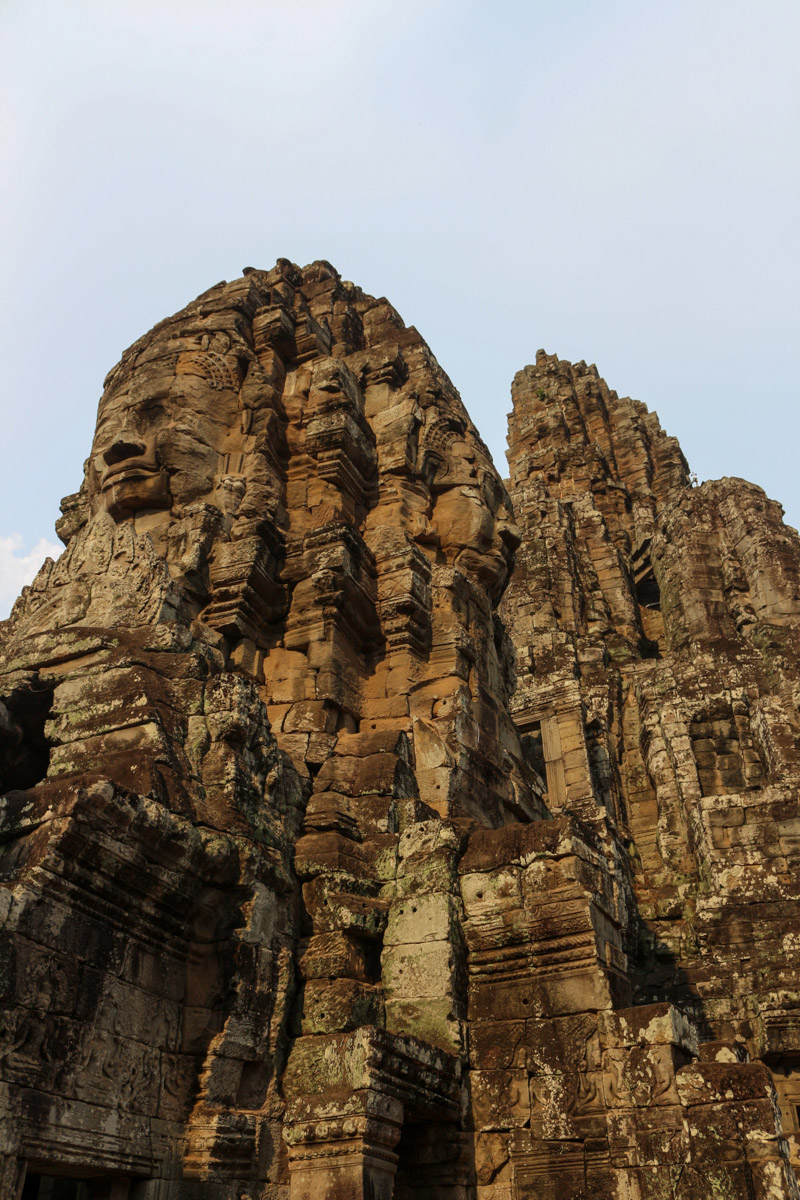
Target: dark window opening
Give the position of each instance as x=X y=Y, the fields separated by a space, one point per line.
x=430 y=1159
x=648 y=593
x=541 y=747
x=533 y=749
x=50 y=1187
x=648 y=597
x=648 y=648
x=30 y=1190
x=24 y=749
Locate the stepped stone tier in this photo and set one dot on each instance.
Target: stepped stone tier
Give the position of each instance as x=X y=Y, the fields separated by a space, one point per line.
x=344 y=858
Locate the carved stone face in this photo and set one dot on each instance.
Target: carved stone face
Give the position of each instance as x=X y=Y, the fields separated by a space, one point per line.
x=472 y=515
x=163 y=438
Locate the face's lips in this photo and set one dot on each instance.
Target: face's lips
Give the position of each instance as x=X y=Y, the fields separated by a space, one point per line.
x=131 y=486
x=128 y=469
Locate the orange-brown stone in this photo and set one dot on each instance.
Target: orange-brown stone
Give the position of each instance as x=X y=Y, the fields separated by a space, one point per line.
x=341 y=856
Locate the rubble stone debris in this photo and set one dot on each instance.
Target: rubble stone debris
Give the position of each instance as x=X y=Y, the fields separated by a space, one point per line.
x=344 y=857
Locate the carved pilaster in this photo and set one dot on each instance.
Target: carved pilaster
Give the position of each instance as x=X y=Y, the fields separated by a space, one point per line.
x=12 y=1176
x=347 y=1098
x=345 y=1156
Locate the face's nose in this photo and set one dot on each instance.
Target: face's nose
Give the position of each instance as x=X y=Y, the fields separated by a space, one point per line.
x=510 y=535
x=123 y=448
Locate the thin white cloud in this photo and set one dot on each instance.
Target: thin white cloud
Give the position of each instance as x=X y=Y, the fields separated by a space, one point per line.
x=18 y=566
x=613 y=182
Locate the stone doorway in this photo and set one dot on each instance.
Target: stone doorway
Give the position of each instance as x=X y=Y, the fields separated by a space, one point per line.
x=433 y=1158
x=365 y=1110
x=50 y=1187
x=69 y=1187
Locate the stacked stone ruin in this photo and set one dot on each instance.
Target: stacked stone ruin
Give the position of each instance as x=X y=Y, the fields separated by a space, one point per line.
x=371 y=828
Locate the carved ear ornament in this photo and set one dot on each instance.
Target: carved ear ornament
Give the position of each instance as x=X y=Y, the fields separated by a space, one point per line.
x=434 y=466
x=217 y=371
x=435 y=445
x=440 y=434
x=493 y=491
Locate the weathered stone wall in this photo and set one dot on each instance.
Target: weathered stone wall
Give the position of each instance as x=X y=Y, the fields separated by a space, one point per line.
x=246 y=718
x=656 y=627
x=329 y=869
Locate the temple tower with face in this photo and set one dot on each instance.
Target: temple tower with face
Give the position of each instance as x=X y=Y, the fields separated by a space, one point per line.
x=315 y=883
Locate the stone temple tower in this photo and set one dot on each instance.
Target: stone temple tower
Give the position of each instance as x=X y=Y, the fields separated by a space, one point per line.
x=371 y=827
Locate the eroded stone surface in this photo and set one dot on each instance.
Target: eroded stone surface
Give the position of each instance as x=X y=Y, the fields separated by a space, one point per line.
x=656 y=630
x=334 y=865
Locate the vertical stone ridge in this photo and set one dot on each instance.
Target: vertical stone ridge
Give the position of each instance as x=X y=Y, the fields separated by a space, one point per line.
x=657 y=629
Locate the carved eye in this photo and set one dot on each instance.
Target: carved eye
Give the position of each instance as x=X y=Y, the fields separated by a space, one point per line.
x=147 y=412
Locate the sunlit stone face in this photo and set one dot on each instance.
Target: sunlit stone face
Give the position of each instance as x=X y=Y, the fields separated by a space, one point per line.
x=472 y=515
x=163 y=438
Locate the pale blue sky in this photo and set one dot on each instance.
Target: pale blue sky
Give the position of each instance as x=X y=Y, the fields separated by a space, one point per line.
x=614 y=180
